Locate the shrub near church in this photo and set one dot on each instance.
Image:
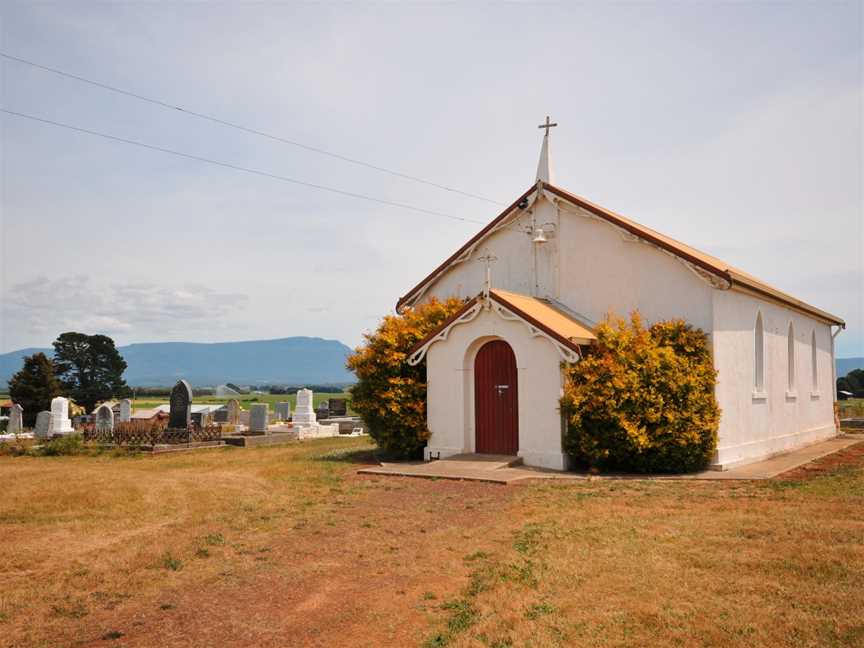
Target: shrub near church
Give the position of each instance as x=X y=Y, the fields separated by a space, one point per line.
x=390 y=394
x=643 y=399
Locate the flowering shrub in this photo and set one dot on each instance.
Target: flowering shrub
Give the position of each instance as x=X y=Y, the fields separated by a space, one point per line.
x=390 y=394
x=642 y=399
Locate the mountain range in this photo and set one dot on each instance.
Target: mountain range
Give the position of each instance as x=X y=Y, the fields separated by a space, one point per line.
x=845 y=365
x=288 y=361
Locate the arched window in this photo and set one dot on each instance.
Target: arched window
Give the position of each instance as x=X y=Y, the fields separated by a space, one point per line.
x=790 y=359
x=759 y=356
x=814 y=367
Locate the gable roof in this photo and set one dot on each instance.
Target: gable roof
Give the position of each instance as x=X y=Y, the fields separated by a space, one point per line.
x=712 y=265
x=539 y=313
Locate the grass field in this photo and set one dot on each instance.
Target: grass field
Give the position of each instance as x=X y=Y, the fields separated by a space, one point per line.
x=288 y=546
x=851 y=407
x=245 y=399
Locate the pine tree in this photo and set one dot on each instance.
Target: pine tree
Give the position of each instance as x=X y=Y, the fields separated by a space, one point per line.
x=90 y=368
x=34 y=386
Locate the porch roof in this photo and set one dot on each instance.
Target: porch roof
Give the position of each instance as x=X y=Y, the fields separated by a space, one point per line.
x=545 y=315
x=565 y=330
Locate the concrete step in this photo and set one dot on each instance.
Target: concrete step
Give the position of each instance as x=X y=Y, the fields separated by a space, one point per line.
x=476 y=461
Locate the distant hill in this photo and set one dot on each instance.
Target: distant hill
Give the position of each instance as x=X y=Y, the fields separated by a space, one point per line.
x=845 y=365
x=293 y=360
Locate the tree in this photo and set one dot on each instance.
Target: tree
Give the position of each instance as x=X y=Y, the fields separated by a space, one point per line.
x=852 y=382
x=390 y=394
x=90 y=368
x=643 y=399
x=34 y=386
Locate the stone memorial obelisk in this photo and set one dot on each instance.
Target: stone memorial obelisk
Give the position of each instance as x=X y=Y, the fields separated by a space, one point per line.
x=303 y=412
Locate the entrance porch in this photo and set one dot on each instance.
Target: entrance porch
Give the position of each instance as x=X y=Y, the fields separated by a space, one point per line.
x=494 y=379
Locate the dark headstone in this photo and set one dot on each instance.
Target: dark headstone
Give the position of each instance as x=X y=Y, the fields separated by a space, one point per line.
x=220 y=415
x=181 y=405
x=338 y=406
x=104 y=419
x=323 y=410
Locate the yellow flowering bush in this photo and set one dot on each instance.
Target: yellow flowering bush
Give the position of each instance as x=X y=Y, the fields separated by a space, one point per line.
x=642 y=399
x=390 y=394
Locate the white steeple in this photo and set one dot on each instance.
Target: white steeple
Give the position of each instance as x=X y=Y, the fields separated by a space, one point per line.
x=544 y=166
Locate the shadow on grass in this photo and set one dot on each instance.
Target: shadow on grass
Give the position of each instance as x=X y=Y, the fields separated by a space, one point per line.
x=362 y=456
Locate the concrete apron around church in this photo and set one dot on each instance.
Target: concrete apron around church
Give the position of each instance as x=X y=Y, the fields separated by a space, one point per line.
x=504 y=470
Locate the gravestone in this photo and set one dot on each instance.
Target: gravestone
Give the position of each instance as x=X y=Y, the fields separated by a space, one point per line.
x=180 y=403
x=60 y=423
x=125 y=410
x=104 y=419
x=338 y=406
x=258 y=418
x=303 y=413
x=43 y=422
x=323 y=410
x=16 y=420
x=234 y=411
x=220 y=416
x=283 y=411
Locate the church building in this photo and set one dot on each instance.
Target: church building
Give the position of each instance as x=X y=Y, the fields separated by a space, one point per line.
x=540 y=276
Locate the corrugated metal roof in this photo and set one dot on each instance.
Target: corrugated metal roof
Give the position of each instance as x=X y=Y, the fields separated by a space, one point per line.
x=543 y=313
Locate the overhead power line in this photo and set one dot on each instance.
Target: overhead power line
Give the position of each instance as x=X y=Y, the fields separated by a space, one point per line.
x=246 y=129
x=237 y=167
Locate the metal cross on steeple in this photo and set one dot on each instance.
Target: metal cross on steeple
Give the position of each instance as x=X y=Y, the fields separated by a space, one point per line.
x=488 y=259
x=547 y=125
x=544 y=166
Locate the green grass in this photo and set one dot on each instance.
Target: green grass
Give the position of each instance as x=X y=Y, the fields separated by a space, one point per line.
x=246 y=400
x=851 y=407
x=149 y=402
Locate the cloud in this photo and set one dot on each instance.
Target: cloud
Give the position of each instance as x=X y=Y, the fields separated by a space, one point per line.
x=91 y=305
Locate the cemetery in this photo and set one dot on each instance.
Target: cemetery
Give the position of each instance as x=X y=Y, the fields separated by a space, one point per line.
x=184 y=425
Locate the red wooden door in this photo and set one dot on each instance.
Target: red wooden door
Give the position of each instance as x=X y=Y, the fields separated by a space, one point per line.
x=496 y=400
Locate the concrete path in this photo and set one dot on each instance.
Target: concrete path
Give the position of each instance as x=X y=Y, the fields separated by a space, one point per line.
x=505 y=470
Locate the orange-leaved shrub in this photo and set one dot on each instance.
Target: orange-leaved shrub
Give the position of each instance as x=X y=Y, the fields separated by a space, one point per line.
x=390 y=395
x=642 y=399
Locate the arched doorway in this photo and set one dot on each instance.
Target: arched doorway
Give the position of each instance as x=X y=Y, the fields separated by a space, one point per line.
x=496 y=399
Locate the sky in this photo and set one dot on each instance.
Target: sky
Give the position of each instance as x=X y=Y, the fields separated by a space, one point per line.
x=734 y=127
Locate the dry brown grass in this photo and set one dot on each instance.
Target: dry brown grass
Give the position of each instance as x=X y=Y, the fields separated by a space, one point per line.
x=279 y=547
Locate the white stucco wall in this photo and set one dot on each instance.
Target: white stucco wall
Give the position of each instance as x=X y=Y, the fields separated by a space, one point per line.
x=450 y=395
x=755 y=425
x=588 y=265
x=592 y=268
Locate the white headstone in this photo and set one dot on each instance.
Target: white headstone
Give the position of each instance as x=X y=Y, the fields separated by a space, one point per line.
x=16 y=420
x=60 y=423
x=125 y=410
x=258 y=417
x=303 y=412
x=43 y=422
